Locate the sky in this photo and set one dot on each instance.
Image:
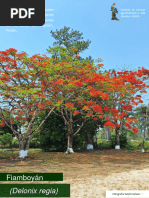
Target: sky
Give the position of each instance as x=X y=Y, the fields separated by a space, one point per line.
x=120 y=44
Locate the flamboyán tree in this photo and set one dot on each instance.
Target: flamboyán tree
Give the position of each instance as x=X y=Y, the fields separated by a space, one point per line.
x=73 y=91
x=95 y=85
x=24 y=92
x=122 y=102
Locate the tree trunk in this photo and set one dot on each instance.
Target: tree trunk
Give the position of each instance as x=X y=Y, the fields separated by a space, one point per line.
x=95 y=139
x=117 y=139
x=70 y=139
x=23 y=148
x=143 y=142
x=101 y=134
x=106 y=134
x=89 y=139
x=109 y=134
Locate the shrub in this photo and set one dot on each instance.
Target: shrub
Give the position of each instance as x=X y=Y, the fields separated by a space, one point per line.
x=34 y=143
x=15 y=143
x=140 y=145
x=6 y=139
x=103 y=144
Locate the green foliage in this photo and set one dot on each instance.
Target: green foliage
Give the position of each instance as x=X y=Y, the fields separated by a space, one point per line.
x=129 y=146
x=135 y=137
x=147 y=138
x=15 y=143
x=6 y=139
x=70 y=40
x=34 y=143
x=141 y=113
x=137 y=145
x=123 y=141
x=143 y=145
x=103 y=144
x=52 y=133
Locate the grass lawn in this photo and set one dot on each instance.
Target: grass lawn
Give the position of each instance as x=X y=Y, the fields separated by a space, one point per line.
x=82 y=164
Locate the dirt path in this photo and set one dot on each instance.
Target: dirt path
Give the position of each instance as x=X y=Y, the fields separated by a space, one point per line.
x=96 y=186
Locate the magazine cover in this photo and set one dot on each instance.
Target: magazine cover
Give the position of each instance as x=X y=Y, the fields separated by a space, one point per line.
x=74 y=116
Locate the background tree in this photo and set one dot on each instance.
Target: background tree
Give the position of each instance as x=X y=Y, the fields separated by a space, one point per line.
x=6 y=139
x=125 y=100
x=70 y=40
x=141 y=113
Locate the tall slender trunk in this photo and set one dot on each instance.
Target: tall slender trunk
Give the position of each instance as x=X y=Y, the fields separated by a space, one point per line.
x=144 y=132
x=109 y=134
x=143 y=141
x=102 y=134
x=106 y=133
x=95 y=139
x=117 y=139
x=70 y=139
x=70 y=131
